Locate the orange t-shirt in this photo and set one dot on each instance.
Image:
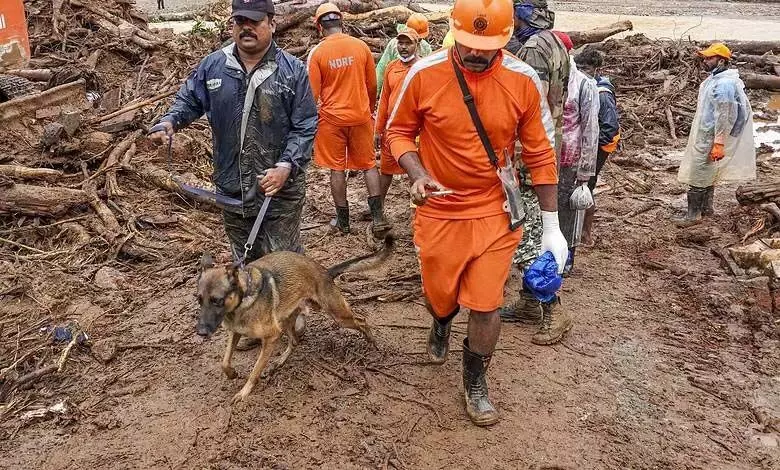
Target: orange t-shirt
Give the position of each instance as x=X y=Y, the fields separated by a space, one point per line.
x=508 y=99
x=394 y=76
x=343 y=80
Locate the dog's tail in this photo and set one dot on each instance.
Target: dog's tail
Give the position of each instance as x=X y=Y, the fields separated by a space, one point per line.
x=366 y=262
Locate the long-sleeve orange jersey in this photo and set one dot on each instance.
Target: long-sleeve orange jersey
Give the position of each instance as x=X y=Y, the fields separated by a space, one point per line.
x=393 y=79
x=508 y=96
x=343 y=80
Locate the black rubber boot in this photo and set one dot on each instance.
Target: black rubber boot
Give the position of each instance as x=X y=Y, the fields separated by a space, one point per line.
x=439 y=337
x=696 y=197
x=341 y=222
x=709 y=202
x=380 y=226
x=475 y=390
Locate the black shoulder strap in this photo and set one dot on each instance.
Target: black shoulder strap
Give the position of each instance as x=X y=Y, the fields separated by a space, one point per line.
x=469 y=100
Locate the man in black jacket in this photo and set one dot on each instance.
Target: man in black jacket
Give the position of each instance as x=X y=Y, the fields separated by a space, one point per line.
x=263 y=119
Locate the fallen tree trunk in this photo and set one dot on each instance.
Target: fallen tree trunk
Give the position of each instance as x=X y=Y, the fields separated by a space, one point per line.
x=756 y=193
x=25 y=172
x=310 y=6
x=761 y=82
x=749 y=47
x=163 y=179
x=599 y=34
x=49 y=98
x=35 y=75
x=39 y=200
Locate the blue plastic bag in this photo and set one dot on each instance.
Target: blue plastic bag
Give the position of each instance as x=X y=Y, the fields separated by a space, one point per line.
x=542 y=278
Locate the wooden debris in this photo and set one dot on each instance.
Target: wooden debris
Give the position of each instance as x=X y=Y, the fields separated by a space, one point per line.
x=39 y=200
x=599 y=34
x=68 y=93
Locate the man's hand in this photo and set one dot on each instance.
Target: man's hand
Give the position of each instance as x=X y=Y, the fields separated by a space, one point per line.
x=162 y=135
x=718 y=152
x=553 y=239
x=273 y=180
x=378 y=141
x=421 y=187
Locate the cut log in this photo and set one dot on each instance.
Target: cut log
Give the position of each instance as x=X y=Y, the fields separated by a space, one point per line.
x=761 y=82
x=24 y=172
x=68 y=93
x=162 y=179
x=310 y=6
x=756 y=193
x=133 y=106
x=749 y=47
x=599 y=34
x=39 y=200
x=37 y=75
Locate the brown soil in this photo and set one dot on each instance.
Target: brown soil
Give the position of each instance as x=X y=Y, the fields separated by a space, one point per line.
x=672 y=364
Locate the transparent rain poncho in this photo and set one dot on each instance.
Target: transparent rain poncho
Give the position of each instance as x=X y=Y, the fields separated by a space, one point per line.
x=723 y=116
x=580 y=125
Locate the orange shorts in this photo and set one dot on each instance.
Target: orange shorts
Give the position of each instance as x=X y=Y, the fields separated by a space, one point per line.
x=344 y=148
x=464 y=262
x=387 y=164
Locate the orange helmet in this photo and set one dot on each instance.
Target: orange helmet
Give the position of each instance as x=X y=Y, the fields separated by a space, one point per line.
x=419 y=23
x=324 y=9
x=482 y=24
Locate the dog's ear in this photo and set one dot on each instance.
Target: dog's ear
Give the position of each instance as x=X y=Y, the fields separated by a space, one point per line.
x=232 y=274
x=206 y=261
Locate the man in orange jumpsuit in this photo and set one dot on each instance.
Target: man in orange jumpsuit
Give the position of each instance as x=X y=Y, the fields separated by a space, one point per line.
x=464 y=241
x=395 y=73
x=341 y=71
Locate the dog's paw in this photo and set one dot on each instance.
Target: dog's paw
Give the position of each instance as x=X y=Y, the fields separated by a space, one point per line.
x=239 y=397
x=230 y=372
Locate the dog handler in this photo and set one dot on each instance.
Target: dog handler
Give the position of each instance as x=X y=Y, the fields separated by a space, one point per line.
x=464 y=241
x=266 y=152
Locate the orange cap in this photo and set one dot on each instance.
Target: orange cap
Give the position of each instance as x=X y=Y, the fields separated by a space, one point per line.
x=718 y=49
x=482 y=24
x=409 y=33
x=419 y=23
x=324 y=9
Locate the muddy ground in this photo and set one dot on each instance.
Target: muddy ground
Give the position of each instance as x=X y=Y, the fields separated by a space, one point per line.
x=673 y=363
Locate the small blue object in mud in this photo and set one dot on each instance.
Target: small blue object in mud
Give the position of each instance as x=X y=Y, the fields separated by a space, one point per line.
x=63 y=334
x=542 y=278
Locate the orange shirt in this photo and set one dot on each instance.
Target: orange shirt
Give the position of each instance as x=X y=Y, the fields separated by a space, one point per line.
x=508 y=99
x=394 y=76
x=341 y=71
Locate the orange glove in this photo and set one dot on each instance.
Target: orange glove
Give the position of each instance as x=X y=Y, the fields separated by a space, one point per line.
x=718 y=152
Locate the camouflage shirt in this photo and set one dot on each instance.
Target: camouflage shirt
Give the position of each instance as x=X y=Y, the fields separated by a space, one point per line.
x=547 y=55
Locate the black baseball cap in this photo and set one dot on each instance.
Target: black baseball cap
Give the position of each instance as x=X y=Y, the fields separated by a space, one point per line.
x=255 y=10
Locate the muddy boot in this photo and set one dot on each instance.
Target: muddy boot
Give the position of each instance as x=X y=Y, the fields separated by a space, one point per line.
x=587 y=228
x=555 y=324
x=709 y=202
x=696 y=198
x=475 y=390
x=527 y=310
x=439 y=338
x=380 y=226
x=341 y=222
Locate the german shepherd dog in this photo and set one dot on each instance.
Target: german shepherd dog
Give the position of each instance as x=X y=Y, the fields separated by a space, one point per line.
x=268 y=298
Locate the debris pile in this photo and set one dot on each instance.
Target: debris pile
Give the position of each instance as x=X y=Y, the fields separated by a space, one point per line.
x=657 y=84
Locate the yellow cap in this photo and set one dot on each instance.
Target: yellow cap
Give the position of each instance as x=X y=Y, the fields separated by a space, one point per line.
x=718 y=49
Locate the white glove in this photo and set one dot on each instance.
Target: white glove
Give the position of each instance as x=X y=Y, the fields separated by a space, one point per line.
x=553 y=239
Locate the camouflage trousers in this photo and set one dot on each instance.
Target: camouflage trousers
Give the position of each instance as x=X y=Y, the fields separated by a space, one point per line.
x=530 y=246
